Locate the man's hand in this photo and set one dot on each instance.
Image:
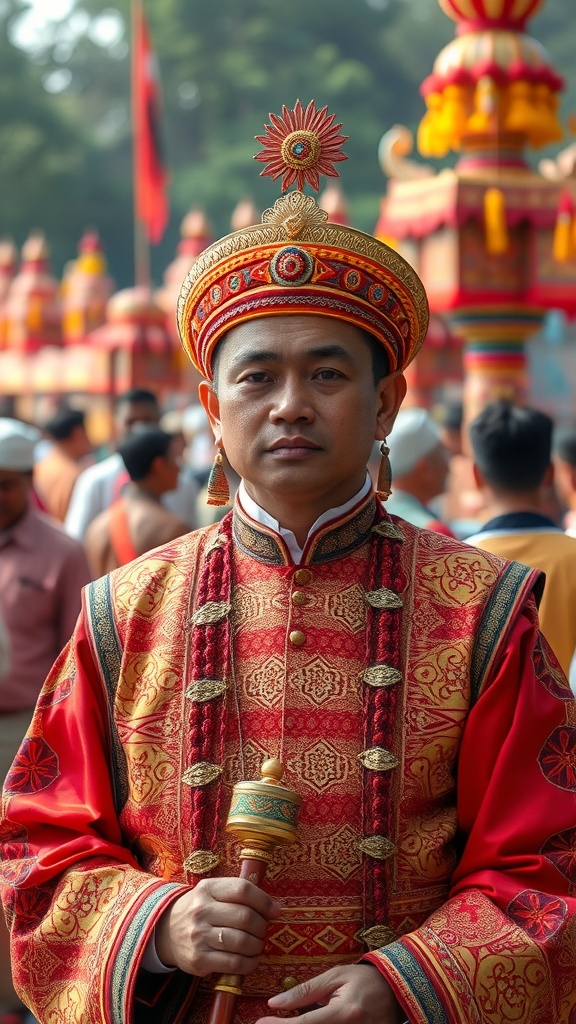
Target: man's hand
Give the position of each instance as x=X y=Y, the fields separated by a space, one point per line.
x=218 y=927
x=357 y=994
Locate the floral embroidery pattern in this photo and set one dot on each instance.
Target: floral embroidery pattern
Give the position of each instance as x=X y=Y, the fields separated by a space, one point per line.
x=561 y=850
x=557 y=758
x=538 y=914
x=62 y=690
x=16 y=862
x=548 y=671
x=35 y=767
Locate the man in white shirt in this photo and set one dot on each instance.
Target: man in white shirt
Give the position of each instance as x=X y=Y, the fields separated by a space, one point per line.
x=101 y=484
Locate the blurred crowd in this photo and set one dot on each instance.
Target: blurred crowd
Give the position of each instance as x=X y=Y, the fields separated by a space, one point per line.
x=506 y=482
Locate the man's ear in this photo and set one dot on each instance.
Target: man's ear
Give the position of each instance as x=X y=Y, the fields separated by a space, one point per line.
x=391 y=393
x=478 y=478
x=209 y=400
x=548 y=480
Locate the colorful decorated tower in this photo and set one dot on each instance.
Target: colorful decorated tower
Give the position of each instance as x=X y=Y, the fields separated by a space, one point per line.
x=195 y=235
x=491 y=238
x=141 y=351
x=32 y=307
x=86 y=288
x=8 y=265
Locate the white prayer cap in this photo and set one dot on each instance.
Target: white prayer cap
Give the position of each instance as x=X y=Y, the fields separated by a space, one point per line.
x=17 y=444
x=413 y=435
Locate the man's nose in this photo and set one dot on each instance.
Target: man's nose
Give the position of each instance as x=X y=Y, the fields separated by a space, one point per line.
x=292 y=402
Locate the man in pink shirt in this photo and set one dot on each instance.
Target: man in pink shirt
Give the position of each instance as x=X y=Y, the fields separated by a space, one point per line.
x=42 y=571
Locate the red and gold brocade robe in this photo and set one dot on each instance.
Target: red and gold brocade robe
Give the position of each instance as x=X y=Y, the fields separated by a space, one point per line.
x=119 y=793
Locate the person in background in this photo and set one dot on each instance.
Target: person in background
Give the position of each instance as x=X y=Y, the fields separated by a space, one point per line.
x=420 y=463
x=42 y=572
x=137 y=522
x=513 y=469
x=565 y=474
x=200 y=450
x=100 y=485
x=56 y=472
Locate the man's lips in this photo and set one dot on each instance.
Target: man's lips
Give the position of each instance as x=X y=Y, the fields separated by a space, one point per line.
x=294 y=444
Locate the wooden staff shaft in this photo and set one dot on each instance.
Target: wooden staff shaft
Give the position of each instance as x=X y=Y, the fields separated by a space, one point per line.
x=229 y=986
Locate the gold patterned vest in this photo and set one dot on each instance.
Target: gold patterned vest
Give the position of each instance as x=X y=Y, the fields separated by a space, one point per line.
x=296 y=689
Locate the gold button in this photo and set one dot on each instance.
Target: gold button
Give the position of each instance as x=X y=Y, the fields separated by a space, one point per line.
x=299 y=598
x=289 y=983
x=302 y=577
x=297 y=638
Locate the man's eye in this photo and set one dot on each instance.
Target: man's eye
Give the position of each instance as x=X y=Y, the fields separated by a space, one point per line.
x=257 y=377
x=327 y=374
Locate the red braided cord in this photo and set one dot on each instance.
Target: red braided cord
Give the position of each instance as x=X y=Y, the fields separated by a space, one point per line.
x=383 y=648
x=209 y=660
x=224 y=642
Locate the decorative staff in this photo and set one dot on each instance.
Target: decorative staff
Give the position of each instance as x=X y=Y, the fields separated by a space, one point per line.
x=262 y=815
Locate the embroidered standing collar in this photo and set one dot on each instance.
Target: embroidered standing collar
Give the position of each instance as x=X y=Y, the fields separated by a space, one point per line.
x=333 y=540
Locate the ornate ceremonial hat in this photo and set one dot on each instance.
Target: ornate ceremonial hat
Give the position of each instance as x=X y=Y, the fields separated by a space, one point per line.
x=295 y=261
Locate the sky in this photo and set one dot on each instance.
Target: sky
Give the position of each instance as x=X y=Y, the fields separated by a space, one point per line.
x=30 y=32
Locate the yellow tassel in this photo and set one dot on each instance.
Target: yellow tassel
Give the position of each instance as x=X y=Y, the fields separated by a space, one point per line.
x=453 y=117
x=218 y=489
x=429 y=140
x=562 y=244
x=495 y=226
x=546 y=128
x=35 y=315
x=486 y=105
x=520 y=114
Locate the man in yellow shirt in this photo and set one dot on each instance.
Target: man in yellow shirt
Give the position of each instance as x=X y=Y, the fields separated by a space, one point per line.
x=513 y=468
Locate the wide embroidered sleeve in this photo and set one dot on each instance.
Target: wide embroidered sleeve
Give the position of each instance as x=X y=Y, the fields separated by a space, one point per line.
x=79 y=906
x=503 y=947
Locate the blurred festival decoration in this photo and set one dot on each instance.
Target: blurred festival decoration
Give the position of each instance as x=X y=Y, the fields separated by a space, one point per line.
x=493 y=240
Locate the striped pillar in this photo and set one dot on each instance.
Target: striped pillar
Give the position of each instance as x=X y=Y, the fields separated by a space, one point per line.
x=494 y=355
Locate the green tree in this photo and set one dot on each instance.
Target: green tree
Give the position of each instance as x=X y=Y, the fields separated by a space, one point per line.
x=224 y=65
x=51 y=174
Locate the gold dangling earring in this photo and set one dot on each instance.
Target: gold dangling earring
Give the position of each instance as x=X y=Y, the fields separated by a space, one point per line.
x=218 y=489
x=384 y=484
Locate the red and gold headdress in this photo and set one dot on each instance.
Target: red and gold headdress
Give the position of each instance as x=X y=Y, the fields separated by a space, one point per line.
x=295 y=261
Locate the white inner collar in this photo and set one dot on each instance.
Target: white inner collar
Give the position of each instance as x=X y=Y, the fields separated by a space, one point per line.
x=259 y=515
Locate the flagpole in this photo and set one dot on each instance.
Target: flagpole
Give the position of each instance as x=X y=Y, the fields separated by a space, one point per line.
x=142 y=268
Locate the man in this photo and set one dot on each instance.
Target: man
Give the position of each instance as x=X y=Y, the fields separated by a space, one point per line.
x=565 y=474
x=56 y=473
x=136 y=522
x=513 y=470
x=42 y=572
x=388 y=668
x=100 y=485
x=419 y=462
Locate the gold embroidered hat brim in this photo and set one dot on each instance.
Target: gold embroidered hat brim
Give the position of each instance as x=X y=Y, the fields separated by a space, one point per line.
x=296 y=261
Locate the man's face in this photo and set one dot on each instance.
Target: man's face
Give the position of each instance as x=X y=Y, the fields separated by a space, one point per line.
x=14 y=492
x=297 y=409
x=130 y=413
x=80 y=442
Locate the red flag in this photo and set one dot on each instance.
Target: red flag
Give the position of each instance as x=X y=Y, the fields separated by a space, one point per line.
x=150 y=175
